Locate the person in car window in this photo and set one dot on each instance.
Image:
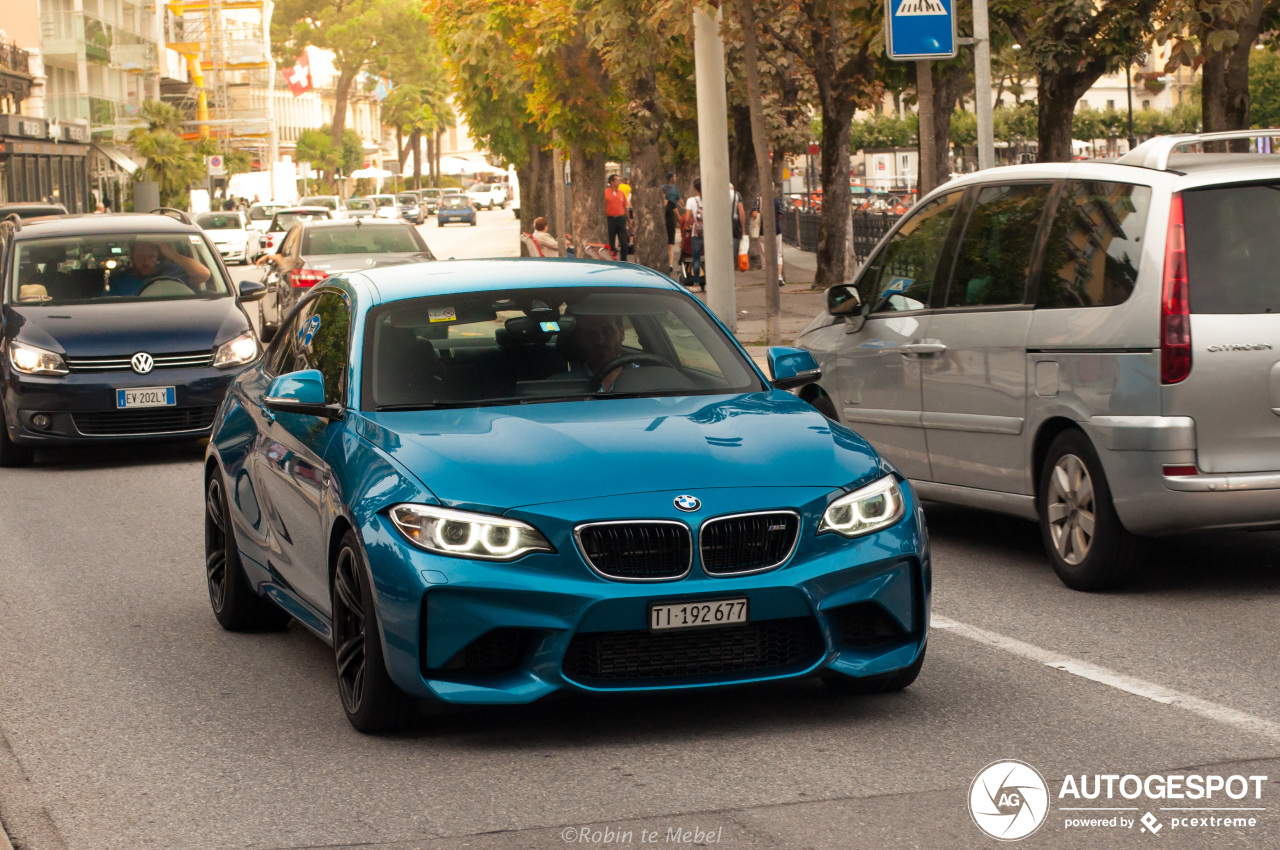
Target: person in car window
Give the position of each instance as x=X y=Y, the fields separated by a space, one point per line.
x=599 y=341
x=147 y=266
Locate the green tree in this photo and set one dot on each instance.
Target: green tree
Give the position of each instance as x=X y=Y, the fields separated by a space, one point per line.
x=317 y=147
x=964 y=128
x=883 y=131
x=170 y=161
x=1264 y=89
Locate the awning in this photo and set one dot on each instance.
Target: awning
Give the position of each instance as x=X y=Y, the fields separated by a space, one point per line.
x=117 y=156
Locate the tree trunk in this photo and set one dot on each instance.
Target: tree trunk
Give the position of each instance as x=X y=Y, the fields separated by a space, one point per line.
x=340 y=94
x=648 y=203
x=947 y=87
x=833 y=228
x=1057 y=101
x=588 y=197
x=547 y=183
x=436 y=154
x=768 y=228
x=1225 y=95
x=742 y=157
x=416 y=140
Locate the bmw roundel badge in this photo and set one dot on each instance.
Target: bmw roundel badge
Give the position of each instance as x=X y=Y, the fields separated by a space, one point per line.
x=687 y=503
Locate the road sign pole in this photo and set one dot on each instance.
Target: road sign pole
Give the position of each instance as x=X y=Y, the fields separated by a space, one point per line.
x=982 y=85
x=928 y=156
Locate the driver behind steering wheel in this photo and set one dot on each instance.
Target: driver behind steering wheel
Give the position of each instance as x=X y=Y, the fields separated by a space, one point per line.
x=600 y=342
x=145 y=266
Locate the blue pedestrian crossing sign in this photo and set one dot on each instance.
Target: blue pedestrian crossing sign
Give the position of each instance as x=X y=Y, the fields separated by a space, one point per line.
x=920 y=29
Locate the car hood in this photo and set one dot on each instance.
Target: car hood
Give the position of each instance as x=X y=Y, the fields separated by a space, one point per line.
x=338 y=263
x=499 y=458
x=107 y=329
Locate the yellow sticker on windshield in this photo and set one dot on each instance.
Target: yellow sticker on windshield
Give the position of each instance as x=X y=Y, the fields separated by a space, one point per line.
x=445 y=314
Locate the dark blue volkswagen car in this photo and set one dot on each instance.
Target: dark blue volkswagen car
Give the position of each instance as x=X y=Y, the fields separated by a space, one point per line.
x=116 y=327
x=485 y=481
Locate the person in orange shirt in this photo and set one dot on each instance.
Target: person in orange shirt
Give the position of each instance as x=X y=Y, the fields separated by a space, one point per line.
x=616 y=204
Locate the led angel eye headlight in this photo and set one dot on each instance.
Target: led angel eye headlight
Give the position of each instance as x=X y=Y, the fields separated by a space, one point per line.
x=467 y=535
x=876 y=506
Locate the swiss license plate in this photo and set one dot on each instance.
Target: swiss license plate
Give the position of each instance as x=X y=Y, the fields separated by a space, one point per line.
x=146 y=397
x=690 y=615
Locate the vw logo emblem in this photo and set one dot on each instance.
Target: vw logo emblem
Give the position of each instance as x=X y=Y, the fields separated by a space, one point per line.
x=142 y=362
x=687 y=503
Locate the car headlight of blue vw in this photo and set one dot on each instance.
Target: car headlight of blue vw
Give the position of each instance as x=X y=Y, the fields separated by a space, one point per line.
x=30 y=360
x=866 y=510
x=243 y=349
x=463 y=534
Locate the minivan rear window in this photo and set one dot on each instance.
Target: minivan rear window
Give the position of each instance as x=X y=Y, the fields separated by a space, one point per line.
x=1233 y=248
x=1095 y=245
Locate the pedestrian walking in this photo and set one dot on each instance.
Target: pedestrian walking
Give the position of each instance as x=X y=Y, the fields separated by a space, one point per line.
x=777 y=223
x=672 y=192
x=694 y=208
x=616 y=205
x=755 y=224
x=737 y=216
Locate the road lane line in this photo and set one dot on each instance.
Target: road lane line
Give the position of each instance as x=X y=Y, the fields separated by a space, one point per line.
x=1129 y=684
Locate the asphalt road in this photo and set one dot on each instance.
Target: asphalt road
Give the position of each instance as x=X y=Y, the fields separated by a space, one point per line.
x=129 y=719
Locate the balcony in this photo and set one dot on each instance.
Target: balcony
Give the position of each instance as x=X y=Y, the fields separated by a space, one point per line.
x=61 y=33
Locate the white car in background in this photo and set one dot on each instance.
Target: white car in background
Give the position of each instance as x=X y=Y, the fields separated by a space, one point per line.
x=488 y=195
x=260 y=215
x=236 y=241
x=387 y=206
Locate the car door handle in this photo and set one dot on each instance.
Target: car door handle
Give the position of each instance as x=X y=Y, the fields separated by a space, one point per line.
x=922 y=348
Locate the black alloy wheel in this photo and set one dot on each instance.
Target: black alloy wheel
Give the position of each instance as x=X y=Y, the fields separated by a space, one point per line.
x=372 y=701
x=234 y=603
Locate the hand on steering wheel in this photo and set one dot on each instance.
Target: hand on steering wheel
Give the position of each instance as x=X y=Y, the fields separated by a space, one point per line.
x=164 y=279
x=597 y=380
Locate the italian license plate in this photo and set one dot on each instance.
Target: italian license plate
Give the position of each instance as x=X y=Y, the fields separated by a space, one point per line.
x=691 y=615
x=146 y=397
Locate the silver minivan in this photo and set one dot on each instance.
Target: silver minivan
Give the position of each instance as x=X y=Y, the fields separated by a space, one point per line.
x=1090 y=345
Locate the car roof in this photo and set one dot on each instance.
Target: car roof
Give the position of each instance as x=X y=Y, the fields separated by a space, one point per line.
x=449 y=277
x=303 y=209
x=352 y=223
x=91 y=224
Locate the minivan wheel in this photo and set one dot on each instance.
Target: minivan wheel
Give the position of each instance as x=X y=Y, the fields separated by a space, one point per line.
x=372 y=701
x=1089 y=547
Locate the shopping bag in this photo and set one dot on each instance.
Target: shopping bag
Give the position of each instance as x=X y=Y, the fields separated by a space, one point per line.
x=744 y=246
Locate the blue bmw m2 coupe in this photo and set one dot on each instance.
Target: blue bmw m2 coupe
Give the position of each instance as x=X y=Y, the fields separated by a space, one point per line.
x=485 y=481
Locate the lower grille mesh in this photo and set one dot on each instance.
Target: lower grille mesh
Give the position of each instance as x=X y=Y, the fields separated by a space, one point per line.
x=632 y=657
x=158 y=420
x=492 y=654
x=863 y=625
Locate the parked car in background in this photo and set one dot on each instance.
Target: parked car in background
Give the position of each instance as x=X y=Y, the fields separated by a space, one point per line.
x=314 y=250
x=31 y=210
x=286 y=218
x=116 y=328
x=360 y=208
x=1095 y=346
x=456 y=208
x=488 y=195
x=330 y=202
x=410 y=206
x=386 y=206
x=514 y=186
x=260 y=215
x=230 y=232
x=430 y=200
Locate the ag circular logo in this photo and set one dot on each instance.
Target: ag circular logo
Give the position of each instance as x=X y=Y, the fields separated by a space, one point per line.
x=687 y=503
x=1008 y=800
x=142 y=363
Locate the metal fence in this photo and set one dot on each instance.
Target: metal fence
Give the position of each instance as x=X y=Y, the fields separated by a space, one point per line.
x=800 y=229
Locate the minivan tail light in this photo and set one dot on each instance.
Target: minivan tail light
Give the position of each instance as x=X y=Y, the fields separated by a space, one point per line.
x=302 y=278
x=1175 y=308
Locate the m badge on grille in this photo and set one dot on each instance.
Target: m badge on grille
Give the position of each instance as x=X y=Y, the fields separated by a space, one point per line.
x=687 y=503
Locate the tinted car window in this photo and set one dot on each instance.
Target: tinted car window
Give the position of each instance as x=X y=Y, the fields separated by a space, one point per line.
x=1094 y=247
x=455 y=202
x=1233 y=248
x=999 y=241
x=285 y=220
x=134 y=266
x=218 y=221
x=902 y=274
x=329 y=201
x=407 y=199
x=321 y=340
x=362 y=240
x=359 y=204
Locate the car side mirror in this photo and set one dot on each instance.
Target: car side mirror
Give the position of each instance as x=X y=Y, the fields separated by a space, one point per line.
x=251 y=290
x=301 y=392
x=844 y=302
x=792 y=367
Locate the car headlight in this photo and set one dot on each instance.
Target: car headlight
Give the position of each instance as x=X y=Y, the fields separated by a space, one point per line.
x=243 y=349
x=467 y=535
x=871 y=508
x=30 y=360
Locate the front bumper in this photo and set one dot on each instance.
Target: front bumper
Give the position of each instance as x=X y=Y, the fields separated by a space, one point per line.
x=479 y=632
x=81 y=407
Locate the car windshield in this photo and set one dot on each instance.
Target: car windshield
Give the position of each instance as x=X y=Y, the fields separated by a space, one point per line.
x=285 y=220
x=262 y=212
x=407 y=199
x=555 y=344
x=384 y=200
x=454 y=202
x=150 y=266
x=363 y=240
x=359 y=204
x=320 y=201
x=218 y=221
x=431 y=193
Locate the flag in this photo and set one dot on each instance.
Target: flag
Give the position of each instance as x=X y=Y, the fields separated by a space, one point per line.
x=299 y=76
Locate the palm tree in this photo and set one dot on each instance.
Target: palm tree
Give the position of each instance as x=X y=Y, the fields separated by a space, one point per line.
x=170 y=161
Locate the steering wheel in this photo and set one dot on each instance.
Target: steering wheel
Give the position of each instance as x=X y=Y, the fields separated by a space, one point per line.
x=618 y=362
x=163 y=286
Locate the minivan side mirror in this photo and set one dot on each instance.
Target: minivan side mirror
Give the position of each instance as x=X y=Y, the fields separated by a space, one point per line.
x=843 y=300
x=301 y=392
x=792 y=367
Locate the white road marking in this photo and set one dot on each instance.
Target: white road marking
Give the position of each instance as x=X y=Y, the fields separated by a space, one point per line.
x=1138 y=687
